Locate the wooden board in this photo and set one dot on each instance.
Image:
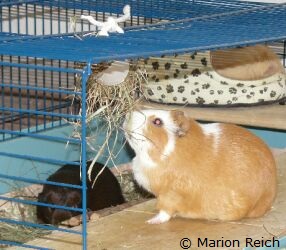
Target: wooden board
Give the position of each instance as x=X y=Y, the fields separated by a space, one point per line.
x=128 y=230
x=267 y=116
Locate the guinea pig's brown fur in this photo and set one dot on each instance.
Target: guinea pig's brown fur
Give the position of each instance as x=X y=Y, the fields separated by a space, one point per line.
x=105 y=192
x=246 y=63
x=213 y=171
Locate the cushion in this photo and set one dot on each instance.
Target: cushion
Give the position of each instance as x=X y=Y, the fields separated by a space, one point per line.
x=190 y=79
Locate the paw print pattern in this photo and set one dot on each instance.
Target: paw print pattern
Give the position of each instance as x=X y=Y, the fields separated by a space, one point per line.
x=196 y=72
x=232 y=90
x=167 y=66
x=206 y=86
x=169 y=88
x=193 y=56
x=272 y=94
x=204 y=61
x=155 y=65
x=184 y=65
x=181 y=89
x=200 y=100
x=150 y=92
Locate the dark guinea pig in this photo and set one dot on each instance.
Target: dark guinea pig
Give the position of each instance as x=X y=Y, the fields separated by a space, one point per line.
x=106 y=192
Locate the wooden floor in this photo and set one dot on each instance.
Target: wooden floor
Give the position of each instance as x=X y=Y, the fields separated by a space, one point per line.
x=127 y=229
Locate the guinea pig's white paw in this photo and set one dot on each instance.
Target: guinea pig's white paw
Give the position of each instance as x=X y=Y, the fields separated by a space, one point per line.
x=159 y=218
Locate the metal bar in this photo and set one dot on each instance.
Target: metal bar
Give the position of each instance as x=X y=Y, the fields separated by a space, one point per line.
x=10 y=243
x=28 y=94
x=40 y=136
x=39 y=159
x=34 y=181
x=2 y=98
x=27 y=87
x=184 y=50
x=29 y=224
x=9 y=17
x=31 y=66
x=43 y=20
x=11 y=93
x=35 y=21
x=16 y=2
x=35 y=203
x=85 y=76
x=36 y=93
x=14 y=117
x=1 y=21
x=20 y=93
x=52 y=86
x=27 y=19
x=36 y=112
x=284 y=54
x=206 y=17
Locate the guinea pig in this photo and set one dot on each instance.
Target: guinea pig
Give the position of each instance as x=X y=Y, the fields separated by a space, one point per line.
x=106 y=192
x=246 y=63
x=202 y=171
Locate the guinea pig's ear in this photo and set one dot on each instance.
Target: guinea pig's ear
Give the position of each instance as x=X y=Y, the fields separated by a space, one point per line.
x=53 y=197
x=73 y=198
x=181 y=121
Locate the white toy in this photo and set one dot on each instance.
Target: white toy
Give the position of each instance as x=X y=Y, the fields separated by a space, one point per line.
x=111 y=25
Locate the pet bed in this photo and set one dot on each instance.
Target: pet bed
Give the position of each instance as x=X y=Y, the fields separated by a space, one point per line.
x=190 y=79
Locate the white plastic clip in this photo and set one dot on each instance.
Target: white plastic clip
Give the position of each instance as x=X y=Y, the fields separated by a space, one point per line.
x=111 y=25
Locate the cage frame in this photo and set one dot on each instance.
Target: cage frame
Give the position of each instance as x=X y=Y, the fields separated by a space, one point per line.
x=12 y=39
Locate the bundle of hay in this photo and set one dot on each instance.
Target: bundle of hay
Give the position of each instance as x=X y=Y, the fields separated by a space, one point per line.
x=113 y=90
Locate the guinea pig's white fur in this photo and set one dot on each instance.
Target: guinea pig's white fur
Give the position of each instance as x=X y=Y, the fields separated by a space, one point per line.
x=207 y=171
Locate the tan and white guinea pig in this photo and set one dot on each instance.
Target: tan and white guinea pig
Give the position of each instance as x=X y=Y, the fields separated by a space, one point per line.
x=247 y=63
x=206 y=171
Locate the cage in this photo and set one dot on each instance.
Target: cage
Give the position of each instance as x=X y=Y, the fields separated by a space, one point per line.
x=42 y=58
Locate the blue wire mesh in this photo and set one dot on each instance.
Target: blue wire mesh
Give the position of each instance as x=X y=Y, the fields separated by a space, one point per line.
x=156 y=8
x=34 y=98
x=38 y=73
x=53 y=17
x=30 y=118
x=239 y=28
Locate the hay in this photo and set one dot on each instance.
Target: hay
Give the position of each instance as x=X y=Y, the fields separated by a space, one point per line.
x=21 y=234
x=109 y=105
x=20 y=212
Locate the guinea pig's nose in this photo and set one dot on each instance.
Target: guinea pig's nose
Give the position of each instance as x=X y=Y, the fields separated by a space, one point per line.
x=60 y=215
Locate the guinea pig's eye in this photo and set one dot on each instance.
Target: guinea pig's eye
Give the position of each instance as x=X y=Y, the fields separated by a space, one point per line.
x=158 y=122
